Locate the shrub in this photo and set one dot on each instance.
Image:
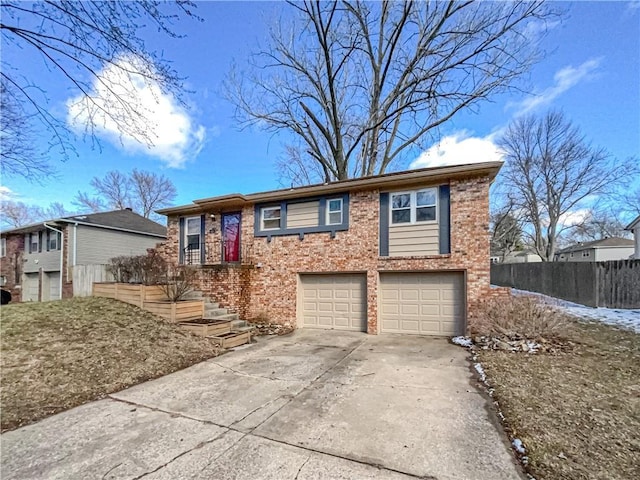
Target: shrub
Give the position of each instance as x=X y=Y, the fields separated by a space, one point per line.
x=518 y=316
x=147 y=269
x=178 y=281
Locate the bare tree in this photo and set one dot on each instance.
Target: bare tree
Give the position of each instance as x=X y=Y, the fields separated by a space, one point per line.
x=139 y=190
x=361 y=84
x=76 y=40
x=506 y=233
x=599 y=223
x=551 y=172
x=151 y=191
x=114 y=189
x=19 y=214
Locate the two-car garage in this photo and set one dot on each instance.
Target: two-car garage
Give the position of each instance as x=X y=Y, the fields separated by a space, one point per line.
x=418 y=303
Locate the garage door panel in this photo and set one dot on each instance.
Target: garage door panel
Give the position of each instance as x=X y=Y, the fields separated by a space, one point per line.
x=428 y=303
x=339 y=300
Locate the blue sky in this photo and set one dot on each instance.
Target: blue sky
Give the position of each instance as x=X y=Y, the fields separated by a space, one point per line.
x=591 y=70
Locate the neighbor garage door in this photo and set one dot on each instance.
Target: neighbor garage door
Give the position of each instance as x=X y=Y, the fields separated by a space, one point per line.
x=333 y=302
x=30 y=287
x=54 y=285
x=422 y=303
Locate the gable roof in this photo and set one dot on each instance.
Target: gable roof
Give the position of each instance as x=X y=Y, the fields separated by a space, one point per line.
x=122 y=220
x=605 y=242
x=388 y=180
x=634 y=223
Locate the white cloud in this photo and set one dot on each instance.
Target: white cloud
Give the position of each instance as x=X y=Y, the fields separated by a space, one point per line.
x=458 y=149
x=564 y=79
x=575 y=217
x=166 y=129
x=6 y=194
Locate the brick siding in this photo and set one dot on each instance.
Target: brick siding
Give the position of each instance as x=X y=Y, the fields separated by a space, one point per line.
x=270 y=291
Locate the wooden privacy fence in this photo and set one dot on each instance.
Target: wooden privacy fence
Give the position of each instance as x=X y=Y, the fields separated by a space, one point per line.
x=614 y=284
x=84 y=276
x=152 y=299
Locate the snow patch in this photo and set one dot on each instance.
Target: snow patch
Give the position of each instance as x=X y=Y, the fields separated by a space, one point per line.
x=518 y=446
x=462 y=341
x=480 y=370
x=623 y=318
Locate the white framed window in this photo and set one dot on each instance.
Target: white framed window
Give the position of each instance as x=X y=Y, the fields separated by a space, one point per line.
x=570 y=255
x=586 y=253
x=414 y=207
x=270 y=218
x=3 y=247
x=3 y=280
x=334 y=211
x=192 y=233
x=53 y=241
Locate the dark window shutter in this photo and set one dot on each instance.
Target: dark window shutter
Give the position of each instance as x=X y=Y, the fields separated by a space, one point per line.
x=40 y=236
x=48 y=237
x=384 y=225
x=444 y=222
x=202 y=231
x=181 y=241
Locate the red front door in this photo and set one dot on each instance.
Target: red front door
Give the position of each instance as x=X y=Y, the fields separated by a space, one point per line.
x=231 y=237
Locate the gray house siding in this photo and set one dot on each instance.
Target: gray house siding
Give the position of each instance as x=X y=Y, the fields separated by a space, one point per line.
x=98 y=245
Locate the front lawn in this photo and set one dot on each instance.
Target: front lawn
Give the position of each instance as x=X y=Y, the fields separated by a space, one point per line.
x=57 y=355
x=577 y=412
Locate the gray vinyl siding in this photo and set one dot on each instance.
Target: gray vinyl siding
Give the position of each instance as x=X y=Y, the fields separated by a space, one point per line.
x=414 y=239
x=98 y=245
x=303 y=214
x=613 y=253
x=47 y=261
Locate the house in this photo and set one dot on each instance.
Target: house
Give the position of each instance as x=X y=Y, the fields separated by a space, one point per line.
x=634 y=227
x=521 y=256
x=612 y=248
x=404 y=252
x=35 y=258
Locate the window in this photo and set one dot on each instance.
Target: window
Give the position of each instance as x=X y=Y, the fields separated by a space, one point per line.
x=3 y=279
x=271 y=218
x=570 y=255
x=53 y=240
x=334 y=211
x=34 y=242
x=413 y=207
x=3 y=247
x=192 y=233
x=586 y=253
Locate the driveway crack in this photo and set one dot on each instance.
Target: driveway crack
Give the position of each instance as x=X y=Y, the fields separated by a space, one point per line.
x=302 y=466
x=244 y=374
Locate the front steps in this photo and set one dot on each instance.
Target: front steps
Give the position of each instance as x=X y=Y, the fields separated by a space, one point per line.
x=230 y=331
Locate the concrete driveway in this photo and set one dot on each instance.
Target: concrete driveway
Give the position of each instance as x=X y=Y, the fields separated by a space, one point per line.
x=312 y=405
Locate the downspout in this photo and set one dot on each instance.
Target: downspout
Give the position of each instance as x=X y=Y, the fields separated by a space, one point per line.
x=61 y=254
x=75 y=243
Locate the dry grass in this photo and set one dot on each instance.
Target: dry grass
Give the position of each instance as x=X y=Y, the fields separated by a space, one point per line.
x=577 y=413
x=57 y=355
x=523 y=316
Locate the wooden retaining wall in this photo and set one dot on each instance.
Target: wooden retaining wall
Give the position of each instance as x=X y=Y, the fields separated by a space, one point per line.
x=152 y=299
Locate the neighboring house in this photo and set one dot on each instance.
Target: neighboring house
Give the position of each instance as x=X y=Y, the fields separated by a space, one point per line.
x=405 y=252
x=634 y=227
x=613 y=248
x=522 y=256
x=38 y=260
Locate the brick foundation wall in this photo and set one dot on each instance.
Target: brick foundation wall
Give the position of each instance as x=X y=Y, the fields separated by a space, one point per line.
x=270 y=291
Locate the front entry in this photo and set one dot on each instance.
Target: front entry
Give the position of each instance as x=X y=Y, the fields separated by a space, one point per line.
x=231 y=237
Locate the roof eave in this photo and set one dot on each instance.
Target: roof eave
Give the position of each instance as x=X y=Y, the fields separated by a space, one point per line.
x=391 y=180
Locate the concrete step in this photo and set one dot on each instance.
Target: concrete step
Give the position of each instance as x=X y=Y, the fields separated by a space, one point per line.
x=226 y=316
x=211 y=305
x=193 y=295
x=243 y=329
x=215 y=312
x=235 y=324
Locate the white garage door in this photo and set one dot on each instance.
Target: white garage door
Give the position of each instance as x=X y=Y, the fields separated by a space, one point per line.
x=422 y=303
x=336 y=301
x=54 y=285
x=30 y=287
